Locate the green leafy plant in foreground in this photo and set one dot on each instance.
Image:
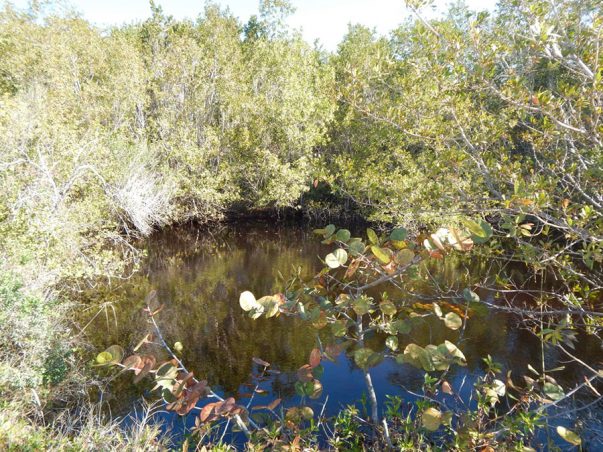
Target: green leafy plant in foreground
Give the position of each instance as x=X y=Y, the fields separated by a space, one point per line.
x=343 y=298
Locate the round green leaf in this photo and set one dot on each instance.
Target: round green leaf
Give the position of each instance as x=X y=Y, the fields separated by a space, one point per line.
x=404 y=257
x=398 y=234
x=431 y=419
x=103 y=358
x=337 y=258
x=341 y=255
x=365 y=358
x=453 y=321
x=388 y=308
x=339 y=328
x=356 y=247
x=343 y=235
x=470 y=296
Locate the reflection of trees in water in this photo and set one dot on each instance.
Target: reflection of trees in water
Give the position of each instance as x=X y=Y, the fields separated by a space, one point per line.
x=200 y=276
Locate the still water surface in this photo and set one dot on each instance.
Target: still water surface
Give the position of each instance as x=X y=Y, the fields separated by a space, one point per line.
x=199 y=276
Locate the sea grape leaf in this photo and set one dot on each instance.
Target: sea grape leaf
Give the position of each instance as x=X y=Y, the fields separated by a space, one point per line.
x=343 y=235
x=382 y=254
x=362 y=305
x=337 y=258
x=366 y=358
x=356 y=247
x=431 y=419
x=315 y=357
x=569 y=436
x=388 y=308
x=392 y=343
x=372 y=236
x=453 y=321
x=553 y=391
x=398 y=234
x=404 y=257
x=247 y=301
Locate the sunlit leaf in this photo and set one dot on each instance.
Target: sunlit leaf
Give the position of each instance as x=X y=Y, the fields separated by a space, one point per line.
x=337 y=258
x=339 y=328
x=103 y=358
x=382 y=254
x=431 y=419
x=437 y=309
x=372 y=236
x=392 y=343
x=553 y=391
x=459 y=241
x=270 y=305
x=247 y=301
x=362 y=305
x=470 y=296
x=569 y=436
x=453 y=321
x=316 y=390
x=480 y=232
x=388 y=308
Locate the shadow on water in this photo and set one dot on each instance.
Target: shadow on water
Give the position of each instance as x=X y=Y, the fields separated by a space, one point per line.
x=199 y=276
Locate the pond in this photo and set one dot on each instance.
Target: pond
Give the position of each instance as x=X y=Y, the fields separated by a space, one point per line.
x=199 y=274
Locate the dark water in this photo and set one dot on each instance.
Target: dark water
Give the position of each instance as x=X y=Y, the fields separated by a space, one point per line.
x=199 y=275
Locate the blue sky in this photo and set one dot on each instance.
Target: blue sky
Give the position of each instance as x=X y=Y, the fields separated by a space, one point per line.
x=325 y=20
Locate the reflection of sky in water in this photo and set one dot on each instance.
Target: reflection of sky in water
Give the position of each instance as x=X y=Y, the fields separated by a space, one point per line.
x=200 y=277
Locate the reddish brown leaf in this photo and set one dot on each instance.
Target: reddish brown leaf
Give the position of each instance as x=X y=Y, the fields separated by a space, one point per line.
x=225 y=406
x=352 y=268
x=304 y=373
x=437 y=254
x=314 y=358
x=390 y=268
x=208 y=413
x=333 y=350
x=132 y=362
x=274 y=404
x=446 y=388
x=148 y=363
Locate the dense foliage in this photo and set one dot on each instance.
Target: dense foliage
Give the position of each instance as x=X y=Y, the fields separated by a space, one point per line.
x=106 y=135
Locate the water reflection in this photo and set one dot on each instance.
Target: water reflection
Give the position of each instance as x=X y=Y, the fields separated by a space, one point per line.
x=199 y=277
